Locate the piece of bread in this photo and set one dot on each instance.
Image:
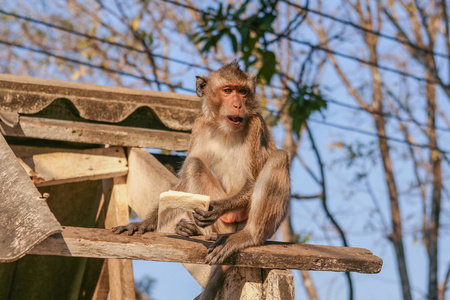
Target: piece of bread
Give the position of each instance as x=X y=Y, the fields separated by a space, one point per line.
x=172 y=203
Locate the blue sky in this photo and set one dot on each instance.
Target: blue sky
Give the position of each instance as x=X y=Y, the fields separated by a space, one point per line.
x=348 y=199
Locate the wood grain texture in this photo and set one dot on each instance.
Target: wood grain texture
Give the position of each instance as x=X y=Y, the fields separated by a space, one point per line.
x=242 y=284
x=74 y=166
x=90 y=242
x=279 y=284
x=120 y=271
x=92 y=133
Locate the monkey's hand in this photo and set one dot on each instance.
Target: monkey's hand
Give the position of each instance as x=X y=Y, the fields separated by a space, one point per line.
x=227 y=245
x=205 y=218
x=139 y=227
x=186 y=228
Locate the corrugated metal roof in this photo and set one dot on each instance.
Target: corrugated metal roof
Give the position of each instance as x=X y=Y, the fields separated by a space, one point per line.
x=25 y=218
x=27 y=95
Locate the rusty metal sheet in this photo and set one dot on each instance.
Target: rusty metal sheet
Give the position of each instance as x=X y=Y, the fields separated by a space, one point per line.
x=27 y=95
x=25 y=219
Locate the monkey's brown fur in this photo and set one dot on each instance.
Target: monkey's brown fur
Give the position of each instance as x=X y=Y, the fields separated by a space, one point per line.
x=232 y=158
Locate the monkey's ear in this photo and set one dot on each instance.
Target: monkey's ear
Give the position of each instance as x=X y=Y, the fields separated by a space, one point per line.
x=200 y=85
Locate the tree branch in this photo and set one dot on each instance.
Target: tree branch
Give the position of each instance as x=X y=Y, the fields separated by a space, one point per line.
x=325 y=204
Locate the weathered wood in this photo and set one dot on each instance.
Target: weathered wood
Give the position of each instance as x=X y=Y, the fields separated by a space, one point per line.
x=120 y=271
x=279 y=284
x=147 y=178
x=27 y=95
x=24 y=216
x=121 y=280
x=242 y=284
x=27 y=150
x=96 y=133
x=118 y=205
x=63 y=167
x=91 y=242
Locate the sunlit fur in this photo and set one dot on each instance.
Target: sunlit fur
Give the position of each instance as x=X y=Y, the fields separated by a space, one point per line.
x=229 y=74
x=251 y=172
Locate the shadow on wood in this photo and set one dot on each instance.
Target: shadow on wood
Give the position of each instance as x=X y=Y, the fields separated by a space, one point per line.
x=102 y=243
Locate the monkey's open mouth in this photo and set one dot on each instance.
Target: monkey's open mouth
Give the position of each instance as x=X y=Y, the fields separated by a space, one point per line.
x=236 y=120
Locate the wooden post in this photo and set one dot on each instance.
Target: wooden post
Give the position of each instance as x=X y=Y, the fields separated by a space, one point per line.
x=279 y=284
x=253 y=283
x=242 y=284
x=120 y=271
x=101 y=291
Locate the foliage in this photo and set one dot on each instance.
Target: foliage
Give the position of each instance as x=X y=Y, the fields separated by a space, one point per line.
x=245 y=33
x=302 y=103
x=248 y=33
x=145 y=284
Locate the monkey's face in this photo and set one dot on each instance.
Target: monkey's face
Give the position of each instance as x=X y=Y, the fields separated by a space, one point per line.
x=233 y=98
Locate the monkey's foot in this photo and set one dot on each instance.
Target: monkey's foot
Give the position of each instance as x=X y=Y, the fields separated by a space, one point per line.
x=228 y=245
x=213 y=236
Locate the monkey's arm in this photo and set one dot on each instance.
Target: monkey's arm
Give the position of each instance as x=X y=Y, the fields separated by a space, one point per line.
x=148 y=224
x=217 y=208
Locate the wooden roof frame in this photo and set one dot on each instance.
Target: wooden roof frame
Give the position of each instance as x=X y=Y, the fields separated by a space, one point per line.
x=21 y=97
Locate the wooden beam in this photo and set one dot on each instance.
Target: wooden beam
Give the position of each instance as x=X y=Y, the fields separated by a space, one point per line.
x=92 y=242
x=118 y=205
x=93 y=133
x=102 y=288
x=121 y=281
x=63 y=167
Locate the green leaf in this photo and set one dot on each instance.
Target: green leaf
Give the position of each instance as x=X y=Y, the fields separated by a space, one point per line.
x=269 y=64
x=302 y=103
x=234 y=42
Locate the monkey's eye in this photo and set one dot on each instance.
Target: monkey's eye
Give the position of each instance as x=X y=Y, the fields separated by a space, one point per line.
x=243 y=91
x=227 y=90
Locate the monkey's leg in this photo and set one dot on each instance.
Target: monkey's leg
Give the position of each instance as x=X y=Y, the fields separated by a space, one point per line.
x=268 y=207
x=197 y=178
x=215 y=283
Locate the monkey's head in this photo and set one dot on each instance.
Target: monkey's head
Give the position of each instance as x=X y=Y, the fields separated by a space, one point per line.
x=229 y=96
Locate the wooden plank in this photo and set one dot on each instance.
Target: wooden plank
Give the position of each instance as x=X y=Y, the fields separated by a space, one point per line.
x=97 y=133
x=25 y=217
x=147 y=178
x=28 y=150
x=63 y=167
x=92 y=242
x=121 y=281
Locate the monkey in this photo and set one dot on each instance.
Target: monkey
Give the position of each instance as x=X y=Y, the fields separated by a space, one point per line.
x=231 y=157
